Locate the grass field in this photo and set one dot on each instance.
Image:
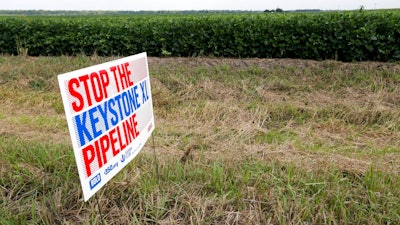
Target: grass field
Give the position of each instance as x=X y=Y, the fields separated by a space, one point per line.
x=237 y=141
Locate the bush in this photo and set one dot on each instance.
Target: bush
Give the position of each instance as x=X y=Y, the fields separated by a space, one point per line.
x=345 y=36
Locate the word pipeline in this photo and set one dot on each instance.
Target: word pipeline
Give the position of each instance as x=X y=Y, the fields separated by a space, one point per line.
x=106 y=107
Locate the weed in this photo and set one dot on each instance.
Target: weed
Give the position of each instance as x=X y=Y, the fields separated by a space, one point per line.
x=249 y=141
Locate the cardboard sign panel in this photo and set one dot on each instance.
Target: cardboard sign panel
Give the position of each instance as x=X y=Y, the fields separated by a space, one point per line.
x=109 y=112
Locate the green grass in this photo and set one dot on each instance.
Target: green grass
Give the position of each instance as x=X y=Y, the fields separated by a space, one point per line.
x=208 y=191
x=245 y=141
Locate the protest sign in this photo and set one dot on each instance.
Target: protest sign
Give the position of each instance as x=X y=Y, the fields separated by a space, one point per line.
x=109 y=113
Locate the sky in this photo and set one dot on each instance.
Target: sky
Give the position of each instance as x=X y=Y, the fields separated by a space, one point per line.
x=255 y=5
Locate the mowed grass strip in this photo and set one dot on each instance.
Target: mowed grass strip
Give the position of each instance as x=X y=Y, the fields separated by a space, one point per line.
x=238 y=141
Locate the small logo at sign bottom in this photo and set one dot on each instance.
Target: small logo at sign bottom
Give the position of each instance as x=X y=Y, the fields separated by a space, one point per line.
x=95 y=181
x=126 y=155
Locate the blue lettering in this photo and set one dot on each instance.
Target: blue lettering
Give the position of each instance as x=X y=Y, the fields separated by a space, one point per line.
x=82 y=129
x=136 y=95
x=110 y=168
x=132 y=99
x=125 y=101
x=127 y=154
x=143 y=86
x=89 y=124
x=104 y=114
x=114 y=121
x=123 y=158
x=118 y=98
x=93 y=121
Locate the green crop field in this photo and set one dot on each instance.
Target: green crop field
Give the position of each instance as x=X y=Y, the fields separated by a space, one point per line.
x=345 y=36
x=237 y=141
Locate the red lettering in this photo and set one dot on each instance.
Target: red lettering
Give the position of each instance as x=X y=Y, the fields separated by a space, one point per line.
x=104 y=145
x=113 y=69
x=76 y=105
x=96 y=83
x=128 y=74
x=105 y=81
x=122 y=76
x=121 y=145
x=113 y=141
x=127 y=128
x=97 y=90
x=134 y=122
x=130 y=128
x=88 y=157
x=98 y=153
x=84 y=80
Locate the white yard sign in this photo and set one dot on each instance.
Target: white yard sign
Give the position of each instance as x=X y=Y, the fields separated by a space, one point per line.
x=109 y=112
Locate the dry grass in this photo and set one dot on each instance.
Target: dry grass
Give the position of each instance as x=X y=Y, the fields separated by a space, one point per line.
x=321 y=107
x=238 y=141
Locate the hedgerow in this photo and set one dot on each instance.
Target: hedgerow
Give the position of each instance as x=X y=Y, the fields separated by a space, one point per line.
x=345 y=36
